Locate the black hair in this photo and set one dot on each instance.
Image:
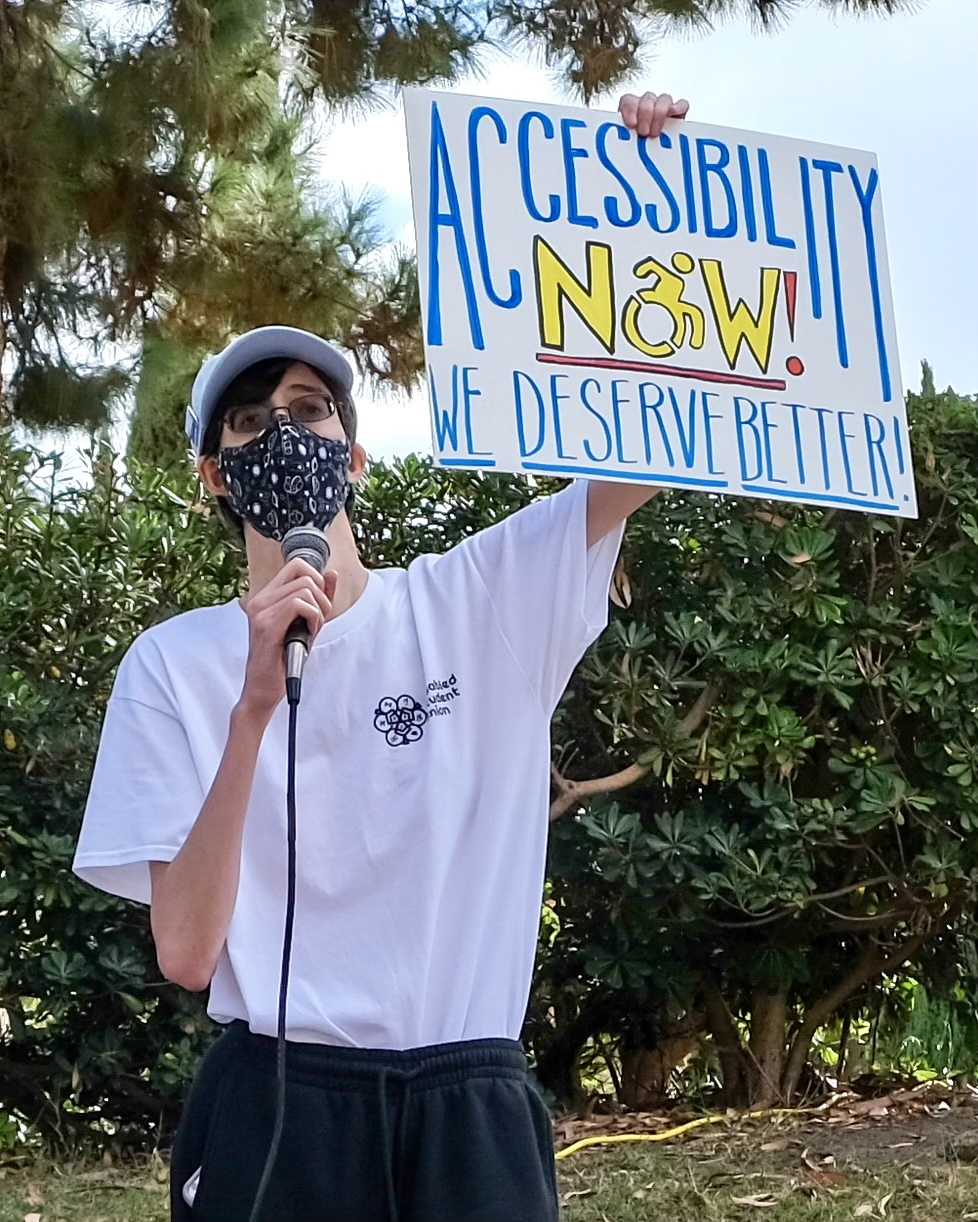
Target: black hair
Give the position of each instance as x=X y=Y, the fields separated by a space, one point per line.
x=254 y=385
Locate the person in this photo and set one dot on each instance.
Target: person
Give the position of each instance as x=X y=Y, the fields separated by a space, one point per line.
x=422 y=780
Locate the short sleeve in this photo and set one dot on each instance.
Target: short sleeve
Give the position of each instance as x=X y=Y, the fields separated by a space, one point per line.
x=548 y=590
x=145 y=793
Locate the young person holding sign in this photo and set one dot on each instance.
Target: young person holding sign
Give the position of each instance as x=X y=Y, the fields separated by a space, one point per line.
x=422 y=781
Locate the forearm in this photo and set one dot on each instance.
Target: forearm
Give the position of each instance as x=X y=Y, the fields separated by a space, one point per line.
x=610 y=503
x=194 y=894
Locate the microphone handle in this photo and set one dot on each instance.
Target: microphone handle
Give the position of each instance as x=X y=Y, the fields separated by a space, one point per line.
x=310 y=544
x=298 y=631
x=296 y=652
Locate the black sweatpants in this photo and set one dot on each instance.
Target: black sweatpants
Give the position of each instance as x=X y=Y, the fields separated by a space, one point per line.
x=449 y=1133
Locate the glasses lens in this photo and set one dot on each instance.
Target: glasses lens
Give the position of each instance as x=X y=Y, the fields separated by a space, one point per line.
x=253 y=418
x=250 y=418
x=311 y=408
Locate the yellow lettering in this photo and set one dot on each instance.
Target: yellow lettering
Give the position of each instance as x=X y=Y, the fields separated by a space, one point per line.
x=738 y=325
x=593 y=302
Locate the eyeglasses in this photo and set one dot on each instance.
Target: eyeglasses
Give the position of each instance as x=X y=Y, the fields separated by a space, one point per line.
x=250 y=419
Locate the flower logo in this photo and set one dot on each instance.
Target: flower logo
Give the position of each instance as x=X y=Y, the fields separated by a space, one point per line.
x=401 y=720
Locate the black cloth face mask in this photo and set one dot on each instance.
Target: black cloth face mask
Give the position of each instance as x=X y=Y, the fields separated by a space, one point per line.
x=287 y=476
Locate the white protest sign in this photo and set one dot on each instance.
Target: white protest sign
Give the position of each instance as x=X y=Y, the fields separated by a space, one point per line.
x=708 y=310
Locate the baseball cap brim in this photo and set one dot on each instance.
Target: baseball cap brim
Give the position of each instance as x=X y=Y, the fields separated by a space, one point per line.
x=218 y=372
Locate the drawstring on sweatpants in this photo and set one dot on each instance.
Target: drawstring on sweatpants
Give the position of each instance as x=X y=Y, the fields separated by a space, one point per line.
x=406 y=1085
x=404 y=1077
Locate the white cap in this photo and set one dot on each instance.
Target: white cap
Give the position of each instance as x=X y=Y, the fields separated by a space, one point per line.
x=218 y=372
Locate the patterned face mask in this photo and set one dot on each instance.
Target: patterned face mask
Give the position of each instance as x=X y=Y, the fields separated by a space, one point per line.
x=287 y=476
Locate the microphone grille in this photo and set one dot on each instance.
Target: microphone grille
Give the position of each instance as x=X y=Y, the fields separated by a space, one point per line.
x=306 y=543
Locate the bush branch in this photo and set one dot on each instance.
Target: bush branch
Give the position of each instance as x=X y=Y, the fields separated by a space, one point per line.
x=570 y=793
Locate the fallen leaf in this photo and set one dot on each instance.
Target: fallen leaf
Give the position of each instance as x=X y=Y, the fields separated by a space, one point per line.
x=868 y=1106
x=32 y=1218
x=760 y=1200
x=864 y=1211
x=883 y=1204
x=826 y=1179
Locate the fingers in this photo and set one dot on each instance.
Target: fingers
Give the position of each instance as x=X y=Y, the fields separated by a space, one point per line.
x=310 y=588
x=285 y=581
x=295 y=568
x=302 y=607
x=271 y=623
x=628 y=109
x=647 y=115
x=297 y=591
x=277 y=605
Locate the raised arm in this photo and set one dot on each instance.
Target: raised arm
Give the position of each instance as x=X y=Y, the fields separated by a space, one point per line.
x=610 y=503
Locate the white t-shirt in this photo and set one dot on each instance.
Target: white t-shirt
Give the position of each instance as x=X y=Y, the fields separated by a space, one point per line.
x=422 y=785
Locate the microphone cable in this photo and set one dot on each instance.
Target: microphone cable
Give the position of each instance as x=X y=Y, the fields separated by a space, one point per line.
x=309 y=544
x=283 y=987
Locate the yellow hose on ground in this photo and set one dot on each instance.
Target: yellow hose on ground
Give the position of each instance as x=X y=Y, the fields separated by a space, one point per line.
x=676 y=1132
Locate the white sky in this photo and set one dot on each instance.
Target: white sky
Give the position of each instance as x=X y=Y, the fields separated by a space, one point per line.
x=903 y=87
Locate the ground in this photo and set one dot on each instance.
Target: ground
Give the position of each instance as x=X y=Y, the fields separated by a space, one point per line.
x=909 y=1166
x=911 y=1161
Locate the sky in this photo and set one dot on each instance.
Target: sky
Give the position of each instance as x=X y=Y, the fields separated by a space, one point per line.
x=903 y=87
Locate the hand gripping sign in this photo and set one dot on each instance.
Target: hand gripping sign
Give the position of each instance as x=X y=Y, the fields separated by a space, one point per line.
x=707 y=310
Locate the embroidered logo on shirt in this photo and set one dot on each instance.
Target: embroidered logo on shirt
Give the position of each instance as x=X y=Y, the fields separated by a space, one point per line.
x=441 y=693
x=401 y=721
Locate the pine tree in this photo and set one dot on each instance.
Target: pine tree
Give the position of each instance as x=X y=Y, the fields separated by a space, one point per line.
x=595 y=44
x=155 y=196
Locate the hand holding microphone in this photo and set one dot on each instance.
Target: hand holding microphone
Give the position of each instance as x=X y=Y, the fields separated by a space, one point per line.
x=298 y=599
x=307 y=544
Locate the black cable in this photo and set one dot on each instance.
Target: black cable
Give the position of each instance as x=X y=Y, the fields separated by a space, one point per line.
x=283 y=987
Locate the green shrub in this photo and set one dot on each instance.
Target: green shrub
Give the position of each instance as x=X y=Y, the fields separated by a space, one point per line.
x=93 y=1042
x=93 y=1039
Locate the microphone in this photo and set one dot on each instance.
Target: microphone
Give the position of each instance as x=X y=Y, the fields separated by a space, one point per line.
x=306 y=543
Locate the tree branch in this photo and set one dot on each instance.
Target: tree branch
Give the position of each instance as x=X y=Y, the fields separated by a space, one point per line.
x=794 y=909
x=871 y=964
x=570 y=793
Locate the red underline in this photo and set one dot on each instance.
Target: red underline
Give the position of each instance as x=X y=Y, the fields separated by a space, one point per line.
x=675 y=371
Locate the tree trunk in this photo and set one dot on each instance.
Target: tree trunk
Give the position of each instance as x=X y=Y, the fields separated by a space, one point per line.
x=843 y=1048
x=768 y=1022
x=869 y=967
x=3 y=326
x=4 y=241
x=645 y=1072
x=556 y=1064
x=729 y=1046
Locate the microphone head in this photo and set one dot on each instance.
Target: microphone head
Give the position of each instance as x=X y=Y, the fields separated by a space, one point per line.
x=308 y=543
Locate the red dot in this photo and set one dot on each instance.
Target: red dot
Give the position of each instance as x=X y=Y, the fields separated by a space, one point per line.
x=794 y=366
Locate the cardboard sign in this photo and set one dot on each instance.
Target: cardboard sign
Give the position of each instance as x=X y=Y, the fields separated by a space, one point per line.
x=707 y=310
